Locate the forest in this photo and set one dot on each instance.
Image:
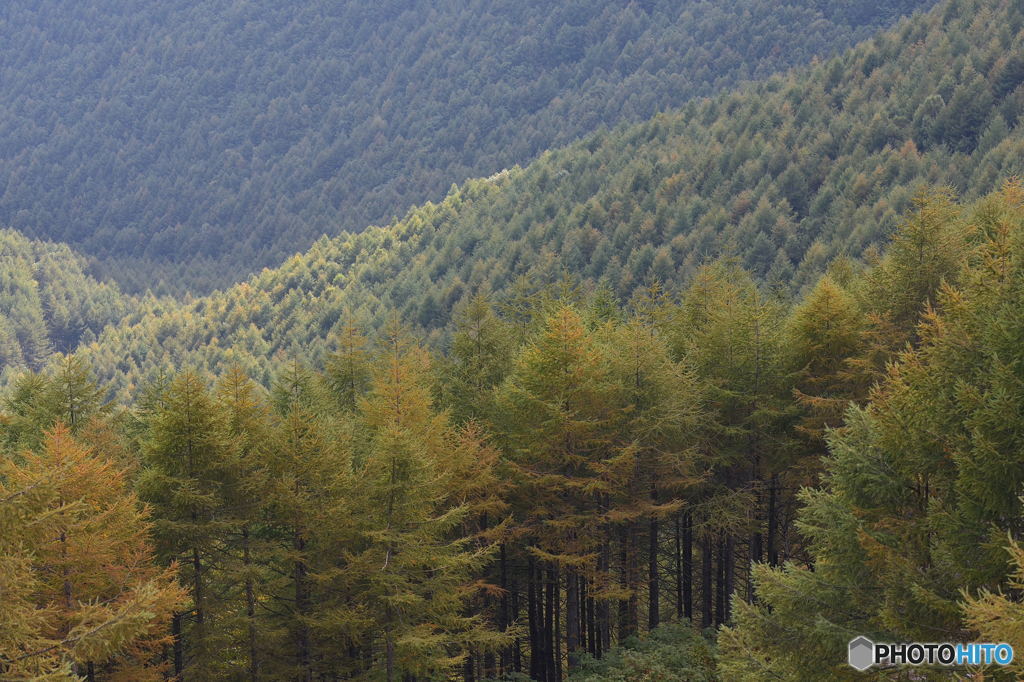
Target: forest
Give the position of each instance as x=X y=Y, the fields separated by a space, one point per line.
x=185 y=144
x=785 y=176
x=694 y=374
x=574 y=490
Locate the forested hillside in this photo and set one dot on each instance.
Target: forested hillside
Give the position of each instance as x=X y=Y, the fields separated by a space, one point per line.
x=576 y=490
x=782 y=176
x=696 y=398
x=48 y=302
x=225 y=136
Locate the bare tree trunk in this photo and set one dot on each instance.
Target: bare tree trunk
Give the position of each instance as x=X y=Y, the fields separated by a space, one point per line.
x=556 y=582
x=302 y=609
x=572 y=618
x=773 y=551
x=389 y=657
x=533 y=615
x=730 y=577
x=250 y=605
x=706 y=583
x=653 y=586
x=179 y=654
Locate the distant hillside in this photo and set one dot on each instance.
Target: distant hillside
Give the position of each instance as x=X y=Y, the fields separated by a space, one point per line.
x=194 y=141
x=48 y=302
x=783 y=176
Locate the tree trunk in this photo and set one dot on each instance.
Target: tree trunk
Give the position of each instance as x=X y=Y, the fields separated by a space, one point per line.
x=730 y=577
x=688 y=566
x=626 y=623
x=179 y=654
x=302 y=610
x=633 y=555
x=197 y=587
x=706 y=583
x=549 y=626
x=604 y=613
x=533 y=611
x=720 y=584
x=773 y=552
x=250 y=605
x=572 y=618
x=653 y=587
x=503 y=607
x=556 y=583
x=389 y=657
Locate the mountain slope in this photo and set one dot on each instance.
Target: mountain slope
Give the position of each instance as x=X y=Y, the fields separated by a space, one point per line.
x=224 y=136
x=783 y=176
x=49 y=302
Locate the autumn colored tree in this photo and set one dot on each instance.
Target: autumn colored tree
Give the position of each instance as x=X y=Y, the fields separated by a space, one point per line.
x=921 y=486
x=185 y=475
x=409 y=570
x=83 y=595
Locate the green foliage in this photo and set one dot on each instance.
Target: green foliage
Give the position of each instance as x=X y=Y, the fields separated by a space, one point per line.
x=673 y=653
x=921 y=487
x=49 y=301
x=780 y=176
x=223 y=137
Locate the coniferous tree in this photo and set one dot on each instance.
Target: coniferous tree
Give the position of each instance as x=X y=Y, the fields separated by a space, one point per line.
x=307 y=473
x=83 y=595
x=559 y=404
x=186 y=464
x=247 y=428
x=921 y=486
x=409 y=570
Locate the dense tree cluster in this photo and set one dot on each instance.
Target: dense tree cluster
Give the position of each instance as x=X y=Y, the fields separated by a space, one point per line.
x=224 y=136
x=913 y=534
x=571 y=475
x=684 y=400
x=783 y=176
x=49 y=301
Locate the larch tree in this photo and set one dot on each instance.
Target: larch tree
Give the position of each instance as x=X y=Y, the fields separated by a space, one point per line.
x=558 y=406
x=83 y=594
x=410 y=569
x=307 y=471
x=247 y=428
x=658 y=443
x=921 y=487
x=186 y=467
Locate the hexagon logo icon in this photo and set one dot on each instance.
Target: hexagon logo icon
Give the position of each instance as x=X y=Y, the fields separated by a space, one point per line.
x=862 y=653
